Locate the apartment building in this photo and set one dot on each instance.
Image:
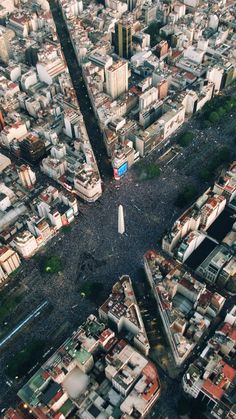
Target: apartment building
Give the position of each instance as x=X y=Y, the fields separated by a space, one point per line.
x=185 y=305
x=25 y=244
x=9 y=261
x=212 y=376
x=121 y=309
x=117 y=79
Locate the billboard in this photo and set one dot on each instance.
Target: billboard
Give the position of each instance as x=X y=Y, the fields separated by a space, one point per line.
x=121 y=170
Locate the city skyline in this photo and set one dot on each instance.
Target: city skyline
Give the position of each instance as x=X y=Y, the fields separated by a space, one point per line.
x=109 y=107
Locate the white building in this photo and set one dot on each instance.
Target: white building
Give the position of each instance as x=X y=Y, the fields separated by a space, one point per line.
x=87 y=184
x=192 y=3
x=29 y=79
x=215 y=75
x=53 y=215
x=53 y=168
x=27 y=176
x=72 y=120
x=25 y=243
x=172 y=120
x=4 y=201
x=117 y=79
x=9 y=5
x=6 y=35
x=50 y=70
x=16 y=131
x=211 y=210
x=213 y=22
x=147 y=98
x=102 y=60
x=189 y=244
x=58 y=151
x=194 y=54
x=118 y=6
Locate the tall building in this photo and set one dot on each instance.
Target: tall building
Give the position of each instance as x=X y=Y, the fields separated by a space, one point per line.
x=148 y=98
x=215 y=74
x=162 y=49
x=122 y=38
x=6 y=35
x=162 y=88
x=27 y=176
x=2 y=123
x=131 y=4
x=4 y=162
x=31 y=55
x=25 y=243
x=117 y=79
x=32 y=148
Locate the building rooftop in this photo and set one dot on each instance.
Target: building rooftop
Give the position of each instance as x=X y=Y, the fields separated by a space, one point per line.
x=182 y=302
x=122 y=308
x=213 y=373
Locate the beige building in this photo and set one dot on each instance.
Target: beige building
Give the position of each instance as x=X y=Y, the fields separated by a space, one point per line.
x=87 y=184
x=9 y=261
x=6 y=35
x=4 y=162
x=199 y=216
x=3 y=275
x=27 y=176
x=117 y=79
x=25 y=243
x=121 y=310
x=54 y=168
x=173 y=289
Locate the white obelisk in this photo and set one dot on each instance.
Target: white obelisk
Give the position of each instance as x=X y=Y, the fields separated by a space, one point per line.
x=121 y=221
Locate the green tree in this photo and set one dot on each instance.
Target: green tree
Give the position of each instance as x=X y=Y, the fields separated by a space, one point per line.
x=228 y=105
x=153 y=170
x=221 y=111
x=205 y=174
x=91 y=290
x=52 y=264
x=225 y=154
x=186 y=196
x=147 y=171
x=24 y=360
x=214 y=117
x=220 y=157
x=206 y=123
x=185 y=139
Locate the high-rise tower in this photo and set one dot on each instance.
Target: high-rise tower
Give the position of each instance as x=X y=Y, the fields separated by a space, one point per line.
x=2 y=123
x=117 y=79
x=123 y=38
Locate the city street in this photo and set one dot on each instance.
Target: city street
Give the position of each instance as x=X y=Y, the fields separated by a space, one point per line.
x=149 y=210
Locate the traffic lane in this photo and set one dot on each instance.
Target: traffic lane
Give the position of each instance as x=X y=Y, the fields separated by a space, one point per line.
x=75 y=71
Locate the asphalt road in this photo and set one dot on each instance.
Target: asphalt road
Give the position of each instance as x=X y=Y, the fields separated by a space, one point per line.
x=94 y=133
x=149 y=210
